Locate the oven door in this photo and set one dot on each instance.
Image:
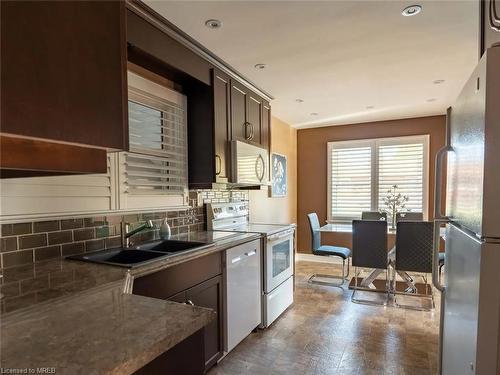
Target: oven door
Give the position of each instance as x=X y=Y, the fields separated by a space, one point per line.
x=279 y=259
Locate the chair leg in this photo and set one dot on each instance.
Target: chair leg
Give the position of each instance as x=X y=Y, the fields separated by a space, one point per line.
x=340 y=280
x=354 y=299
x=424 y=296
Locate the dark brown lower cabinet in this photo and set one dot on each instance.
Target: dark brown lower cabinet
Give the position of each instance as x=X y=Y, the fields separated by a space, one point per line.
x=209 y=294
x=185 y=358
x=199 y=283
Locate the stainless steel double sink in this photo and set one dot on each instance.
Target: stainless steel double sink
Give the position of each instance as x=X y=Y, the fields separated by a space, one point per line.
x=141 y=254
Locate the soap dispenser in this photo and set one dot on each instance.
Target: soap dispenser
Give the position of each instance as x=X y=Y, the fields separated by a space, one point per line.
x=165 y=231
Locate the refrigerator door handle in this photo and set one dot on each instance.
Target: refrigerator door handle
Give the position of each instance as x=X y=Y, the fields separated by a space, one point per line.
x=438 y=182
x=435 y=255
x=439 y=217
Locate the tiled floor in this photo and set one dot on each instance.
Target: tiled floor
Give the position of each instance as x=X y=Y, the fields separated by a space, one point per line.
x=325 y=333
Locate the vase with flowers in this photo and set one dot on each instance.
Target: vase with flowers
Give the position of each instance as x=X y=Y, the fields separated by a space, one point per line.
x=394 y=202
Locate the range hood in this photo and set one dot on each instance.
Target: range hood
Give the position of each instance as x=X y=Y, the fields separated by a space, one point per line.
x=250 y=166
x=28 y=157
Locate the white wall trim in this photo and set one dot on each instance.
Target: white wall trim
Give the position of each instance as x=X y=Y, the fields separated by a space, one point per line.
x=316 y=258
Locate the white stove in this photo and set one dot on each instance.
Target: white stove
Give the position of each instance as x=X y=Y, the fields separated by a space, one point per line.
x=277 y=245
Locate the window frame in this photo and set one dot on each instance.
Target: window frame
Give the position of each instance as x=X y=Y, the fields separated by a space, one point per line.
x=374 y=144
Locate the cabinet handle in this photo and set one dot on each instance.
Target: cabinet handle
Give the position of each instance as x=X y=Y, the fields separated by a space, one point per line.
x=218 y=165
x=235 y=260
x=248 y=135
x=494 y=18
x=251 y=131
x=250 y=253
x=189 y=302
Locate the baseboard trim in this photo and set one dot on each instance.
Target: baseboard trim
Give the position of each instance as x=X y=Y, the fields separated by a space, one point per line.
x=316 y=258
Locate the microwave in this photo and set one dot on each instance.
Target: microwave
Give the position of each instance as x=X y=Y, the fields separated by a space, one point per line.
x=250 y=164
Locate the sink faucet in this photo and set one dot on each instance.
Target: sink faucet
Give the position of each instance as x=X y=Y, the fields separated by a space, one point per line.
x=127 y=233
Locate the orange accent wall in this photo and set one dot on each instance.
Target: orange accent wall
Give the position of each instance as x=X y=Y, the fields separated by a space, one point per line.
x=312 y=165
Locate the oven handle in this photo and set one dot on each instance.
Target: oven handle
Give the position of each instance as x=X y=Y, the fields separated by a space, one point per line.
x=283 y=234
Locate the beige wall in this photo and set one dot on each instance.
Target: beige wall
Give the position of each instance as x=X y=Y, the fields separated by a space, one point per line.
x=264 y=209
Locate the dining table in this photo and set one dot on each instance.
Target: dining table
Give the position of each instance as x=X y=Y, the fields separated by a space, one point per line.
x=367 y=282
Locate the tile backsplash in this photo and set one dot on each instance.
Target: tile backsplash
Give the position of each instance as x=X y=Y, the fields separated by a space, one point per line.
x=35 y=241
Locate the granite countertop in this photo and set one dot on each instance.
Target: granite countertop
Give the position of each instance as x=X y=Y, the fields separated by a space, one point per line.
x=81 y=318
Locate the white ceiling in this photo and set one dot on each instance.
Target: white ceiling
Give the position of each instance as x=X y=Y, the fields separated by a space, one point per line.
x=340 y=56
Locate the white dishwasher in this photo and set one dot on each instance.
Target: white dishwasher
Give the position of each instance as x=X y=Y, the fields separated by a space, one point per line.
x=243 y=292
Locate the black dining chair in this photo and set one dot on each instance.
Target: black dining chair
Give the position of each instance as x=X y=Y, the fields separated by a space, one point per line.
x=373 y=215
x=414 y=251
x=369 y=250
x=409 y=216
x=329 y=251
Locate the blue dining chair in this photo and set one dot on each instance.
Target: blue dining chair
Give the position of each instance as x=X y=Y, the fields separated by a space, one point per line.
x=329 y=251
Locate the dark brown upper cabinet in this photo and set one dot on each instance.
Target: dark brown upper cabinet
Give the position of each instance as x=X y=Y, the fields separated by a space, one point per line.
x=255 y=108
x=247 y=116
x=63 y=85
x=64 y=71
x=208 y=146
x=490 y=24
x=222 y=125
x=240 y=127
x=178 y=63
x=237 y=114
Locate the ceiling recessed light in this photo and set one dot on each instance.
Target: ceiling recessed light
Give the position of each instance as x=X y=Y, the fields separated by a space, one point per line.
x=213 y=24
x=438 y=81
x=369 y=107
x=431 y=100
x=314 y=113
x=411 y=10
x=299 y=100
x=260 y=66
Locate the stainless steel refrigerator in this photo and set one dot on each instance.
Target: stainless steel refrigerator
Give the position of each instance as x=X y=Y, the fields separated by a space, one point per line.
x=470 y=305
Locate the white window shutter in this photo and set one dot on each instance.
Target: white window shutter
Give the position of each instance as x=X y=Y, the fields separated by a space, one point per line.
x=154 y=172
x=24 y=198
x=402 y=165
x=362 y=172
x=350 y=181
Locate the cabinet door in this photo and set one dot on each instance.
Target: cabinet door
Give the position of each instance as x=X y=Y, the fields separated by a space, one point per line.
x=239 y=102
x=255 y=117
x=265 y=130
x=490 y=19
x=222 y=92
x=209 y=294
x=62 y=79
